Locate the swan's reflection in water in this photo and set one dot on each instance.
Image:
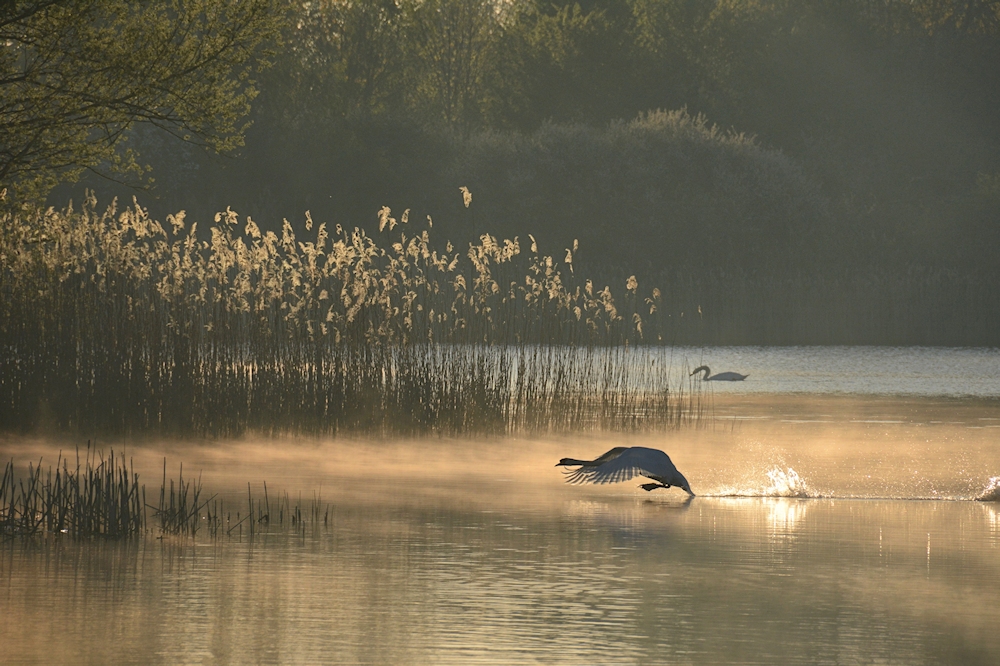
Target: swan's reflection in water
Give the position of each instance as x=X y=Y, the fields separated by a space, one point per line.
x=633 y=513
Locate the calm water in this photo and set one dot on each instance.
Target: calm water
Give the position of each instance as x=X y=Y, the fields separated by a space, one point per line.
x=923 y=371
x=837 y=524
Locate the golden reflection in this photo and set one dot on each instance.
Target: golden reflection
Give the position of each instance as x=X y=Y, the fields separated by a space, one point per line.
x=587 y=508
x=785 y=514
x=992 y=511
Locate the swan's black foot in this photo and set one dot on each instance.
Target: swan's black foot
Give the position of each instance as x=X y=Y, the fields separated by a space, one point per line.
x=653 y=486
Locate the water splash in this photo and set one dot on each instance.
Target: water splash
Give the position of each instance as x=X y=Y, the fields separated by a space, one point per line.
x=991 y=493
x=781 y=482
x=787 y=483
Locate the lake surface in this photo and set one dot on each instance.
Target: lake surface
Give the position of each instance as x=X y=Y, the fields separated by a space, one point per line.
x=913 y=371
x=836 y=524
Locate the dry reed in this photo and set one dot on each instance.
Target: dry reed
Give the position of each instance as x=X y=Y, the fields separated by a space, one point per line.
x=112 y=323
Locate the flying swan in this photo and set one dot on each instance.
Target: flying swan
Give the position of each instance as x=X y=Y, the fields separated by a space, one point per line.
x=622 y=463
x=721 y=377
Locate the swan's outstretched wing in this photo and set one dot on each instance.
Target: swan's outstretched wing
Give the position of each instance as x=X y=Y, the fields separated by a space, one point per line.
x=635 y=461
x=609 y=455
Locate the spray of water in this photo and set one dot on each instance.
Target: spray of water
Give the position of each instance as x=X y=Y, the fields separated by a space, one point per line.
x=781 y=482
x=991 y=493
x=787 y=483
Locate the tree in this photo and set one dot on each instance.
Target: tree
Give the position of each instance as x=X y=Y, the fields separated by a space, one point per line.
x=77 y=75
x=340 y=58
x=579 y=63
x=454 y=48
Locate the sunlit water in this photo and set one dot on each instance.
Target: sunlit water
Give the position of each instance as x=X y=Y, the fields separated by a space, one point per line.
x=828 y=528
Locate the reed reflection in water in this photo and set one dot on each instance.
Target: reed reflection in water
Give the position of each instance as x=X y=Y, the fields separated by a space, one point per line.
x=826 y=530
x=751 y=580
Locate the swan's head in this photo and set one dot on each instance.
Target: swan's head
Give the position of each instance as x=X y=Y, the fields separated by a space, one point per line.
x=682 y=483
x=699 y=369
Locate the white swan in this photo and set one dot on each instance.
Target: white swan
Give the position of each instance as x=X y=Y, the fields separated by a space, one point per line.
x=622 y=463
x=721 y=377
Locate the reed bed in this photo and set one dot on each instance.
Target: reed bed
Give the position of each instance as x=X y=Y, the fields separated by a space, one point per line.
x=101 y=497
x=178 y=510
x=258 y=519
x=113 y=323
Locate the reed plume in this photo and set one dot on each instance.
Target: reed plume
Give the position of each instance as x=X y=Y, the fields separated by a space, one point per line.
x=111 y=322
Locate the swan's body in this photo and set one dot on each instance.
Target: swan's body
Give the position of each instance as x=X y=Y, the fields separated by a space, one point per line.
x=721 y=377
x=622 y=463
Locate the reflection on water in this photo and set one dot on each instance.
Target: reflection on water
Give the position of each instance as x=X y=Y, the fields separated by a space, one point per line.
x=756 y=580
x=784 y=515
x=850 y=538
x=993 y=516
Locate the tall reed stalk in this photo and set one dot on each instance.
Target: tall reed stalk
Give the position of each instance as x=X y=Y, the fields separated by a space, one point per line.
x=112 y=323
x=100 y=498
x=179 y=510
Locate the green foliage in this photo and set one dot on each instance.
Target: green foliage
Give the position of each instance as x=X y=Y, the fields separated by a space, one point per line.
x=339 y=59
x=76 y=77
x=661 y=190
x=453 y=50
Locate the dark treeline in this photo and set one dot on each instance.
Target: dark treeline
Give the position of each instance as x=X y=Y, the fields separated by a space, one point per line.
x=801 y=172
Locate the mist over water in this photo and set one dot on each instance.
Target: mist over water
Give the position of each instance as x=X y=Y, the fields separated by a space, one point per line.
x=828 y=527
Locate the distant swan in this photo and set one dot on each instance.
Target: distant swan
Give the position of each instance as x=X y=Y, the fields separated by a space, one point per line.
x=721 y=377
x=622 y=463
